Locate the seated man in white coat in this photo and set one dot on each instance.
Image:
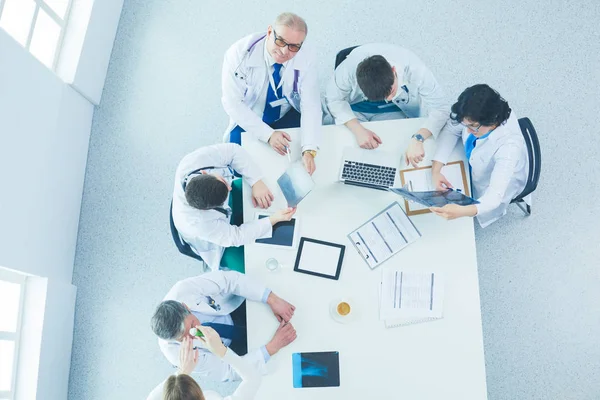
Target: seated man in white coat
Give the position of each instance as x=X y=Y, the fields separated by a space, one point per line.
x=208 y=300
x=495 y=150
x=383 y=81
x=201 y=213
x=270 y=83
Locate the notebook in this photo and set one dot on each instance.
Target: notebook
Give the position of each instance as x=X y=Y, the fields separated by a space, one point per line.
x=410 y=297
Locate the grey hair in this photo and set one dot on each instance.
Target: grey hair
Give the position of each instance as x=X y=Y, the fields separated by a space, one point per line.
x=168 y=321
x=292 y=21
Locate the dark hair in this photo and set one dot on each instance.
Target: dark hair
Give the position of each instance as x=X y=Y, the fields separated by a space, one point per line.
x=375 y=78
x=481 y=104
x=168 y=321
x=182 y=387
x=205 y=192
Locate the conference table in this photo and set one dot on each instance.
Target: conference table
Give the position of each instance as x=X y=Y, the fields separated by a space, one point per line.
x=442 y=359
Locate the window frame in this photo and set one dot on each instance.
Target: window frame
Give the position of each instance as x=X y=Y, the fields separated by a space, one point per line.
x=21 y=279
x=61 y=22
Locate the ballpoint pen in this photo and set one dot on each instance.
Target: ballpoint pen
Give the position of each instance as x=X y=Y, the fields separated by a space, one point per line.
x=287 y=149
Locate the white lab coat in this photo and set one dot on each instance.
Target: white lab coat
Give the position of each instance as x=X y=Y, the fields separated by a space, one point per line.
x=208 y=232
x=245 y=78
x=499 y=166
x=251 y=379
x=228 y=289
x=425 y=95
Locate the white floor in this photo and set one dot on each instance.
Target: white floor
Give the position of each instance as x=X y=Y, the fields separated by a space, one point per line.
x=539 y=276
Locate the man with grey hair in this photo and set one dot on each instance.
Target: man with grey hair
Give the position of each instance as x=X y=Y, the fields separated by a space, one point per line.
x=214 y=299
x=269 y=84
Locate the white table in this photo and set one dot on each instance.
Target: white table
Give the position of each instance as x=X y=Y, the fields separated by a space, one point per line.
x=436 y=360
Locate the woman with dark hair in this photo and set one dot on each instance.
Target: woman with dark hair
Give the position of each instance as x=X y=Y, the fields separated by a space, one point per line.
x=495 y=149
x=183 y=387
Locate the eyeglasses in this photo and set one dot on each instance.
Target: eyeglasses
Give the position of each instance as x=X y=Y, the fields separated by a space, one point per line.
x=472 y=127
x=294 y=48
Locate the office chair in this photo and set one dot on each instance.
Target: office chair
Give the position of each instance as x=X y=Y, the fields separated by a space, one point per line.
x=182 y=246
x=535 y=162
x=341 y=56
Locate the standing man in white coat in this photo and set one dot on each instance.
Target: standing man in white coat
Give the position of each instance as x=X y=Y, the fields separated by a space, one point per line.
x=201 y=214
x=380 y=81
x=270 y=83
x=495 y=149
x=208 y=300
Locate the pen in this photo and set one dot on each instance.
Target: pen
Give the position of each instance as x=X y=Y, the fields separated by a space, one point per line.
x=287 y=149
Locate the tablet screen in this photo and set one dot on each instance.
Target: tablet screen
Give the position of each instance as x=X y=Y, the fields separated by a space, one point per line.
x=283 y=233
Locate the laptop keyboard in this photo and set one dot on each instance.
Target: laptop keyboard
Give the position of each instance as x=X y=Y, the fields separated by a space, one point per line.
x=368 y=173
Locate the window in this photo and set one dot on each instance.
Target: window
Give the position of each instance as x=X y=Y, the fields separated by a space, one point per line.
x=12 y=288
x=39 y=25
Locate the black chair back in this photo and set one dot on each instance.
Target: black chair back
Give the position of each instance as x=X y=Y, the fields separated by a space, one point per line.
x=535 y=157
x=182 y=246
x=341 y=56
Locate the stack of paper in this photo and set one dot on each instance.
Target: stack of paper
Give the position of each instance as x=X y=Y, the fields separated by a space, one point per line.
x=410 y=297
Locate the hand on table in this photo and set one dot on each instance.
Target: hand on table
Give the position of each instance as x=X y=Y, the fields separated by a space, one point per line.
x=414 y=153
x=284 y=335
x=261 y=195
x=282 y=310
x=367 y=139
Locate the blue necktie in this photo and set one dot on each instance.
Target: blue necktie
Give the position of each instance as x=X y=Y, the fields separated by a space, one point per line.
x=472 y=142
x=470 y=145
x=271 y=114
x=227 y=331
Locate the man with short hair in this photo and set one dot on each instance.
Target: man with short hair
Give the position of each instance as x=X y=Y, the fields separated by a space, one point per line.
x=269 y=84
x=383 y=81
x=212 y=299
x=201 y=214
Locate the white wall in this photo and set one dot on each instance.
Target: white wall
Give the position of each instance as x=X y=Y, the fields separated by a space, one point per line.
x=45 y=127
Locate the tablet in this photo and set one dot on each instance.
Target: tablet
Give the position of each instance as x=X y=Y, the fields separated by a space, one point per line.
x=319 y=258
x=284 y=233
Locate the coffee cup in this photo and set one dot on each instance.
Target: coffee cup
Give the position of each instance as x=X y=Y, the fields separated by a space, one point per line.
x=343 y=308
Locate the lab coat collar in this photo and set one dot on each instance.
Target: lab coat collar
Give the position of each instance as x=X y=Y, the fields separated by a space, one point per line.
x=256 y=58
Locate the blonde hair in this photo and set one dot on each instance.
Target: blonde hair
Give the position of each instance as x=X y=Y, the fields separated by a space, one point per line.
x=182 y=387
x=292 y=21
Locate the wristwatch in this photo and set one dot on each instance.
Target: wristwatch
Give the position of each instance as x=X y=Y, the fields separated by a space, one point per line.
x=311 y=152
x=419 y=137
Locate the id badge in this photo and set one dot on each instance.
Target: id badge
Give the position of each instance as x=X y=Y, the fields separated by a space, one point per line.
x=279 y=102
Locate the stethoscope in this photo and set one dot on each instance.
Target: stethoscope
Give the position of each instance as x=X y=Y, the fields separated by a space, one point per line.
x=402 y=96
x=226 y=212
x=242 y=76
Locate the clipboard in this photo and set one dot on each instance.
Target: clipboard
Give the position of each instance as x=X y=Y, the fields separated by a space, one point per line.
x=419 y=209
x=384 y=235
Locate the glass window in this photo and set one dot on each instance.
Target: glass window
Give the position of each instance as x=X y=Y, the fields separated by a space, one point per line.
x=10 y=294
x=38 y=25
x=16 y=19
x=7 y=349
x=60 y=7
x=44 y=41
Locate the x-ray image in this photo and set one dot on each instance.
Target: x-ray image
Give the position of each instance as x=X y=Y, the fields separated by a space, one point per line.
x=296 y=184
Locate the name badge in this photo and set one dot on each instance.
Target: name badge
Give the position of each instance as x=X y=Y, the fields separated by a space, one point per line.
x=279 y=102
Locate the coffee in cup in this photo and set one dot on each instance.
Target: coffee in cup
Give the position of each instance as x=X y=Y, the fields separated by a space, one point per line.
x=343 y=308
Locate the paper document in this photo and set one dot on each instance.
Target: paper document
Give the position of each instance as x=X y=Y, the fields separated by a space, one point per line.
x=411 y=296
x=384 y=235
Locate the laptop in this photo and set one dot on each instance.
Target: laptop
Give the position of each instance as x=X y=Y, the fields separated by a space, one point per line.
x=374 y=169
